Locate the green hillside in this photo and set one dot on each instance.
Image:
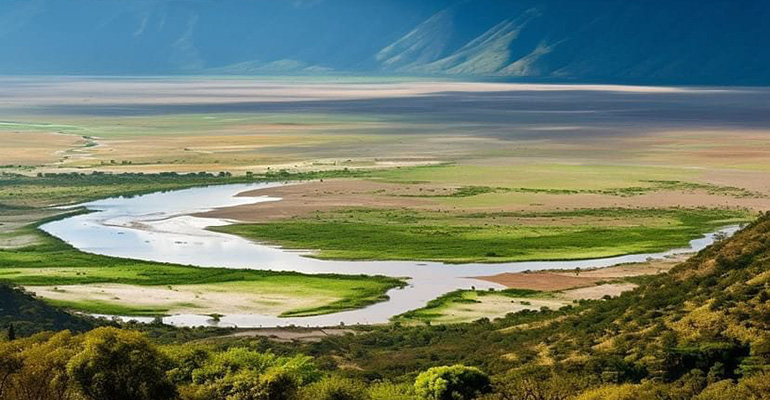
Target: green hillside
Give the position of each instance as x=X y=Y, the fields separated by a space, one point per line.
x=29 y=315
x=701 y=332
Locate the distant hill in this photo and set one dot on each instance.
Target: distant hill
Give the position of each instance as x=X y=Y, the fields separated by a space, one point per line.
x=719 y=42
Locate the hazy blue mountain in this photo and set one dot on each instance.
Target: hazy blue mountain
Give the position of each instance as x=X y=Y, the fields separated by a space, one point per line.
x=651 y=41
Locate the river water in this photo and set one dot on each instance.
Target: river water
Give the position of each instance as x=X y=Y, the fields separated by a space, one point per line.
x=159 y=227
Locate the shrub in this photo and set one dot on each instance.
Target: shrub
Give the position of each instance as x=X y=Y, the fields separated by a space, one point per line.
x=335 y=388
x=456 y=382
x=120 y=365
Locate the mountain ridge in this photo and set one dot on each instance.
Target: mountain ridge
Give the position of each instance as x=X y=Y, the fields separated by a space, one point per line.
x=710 y=42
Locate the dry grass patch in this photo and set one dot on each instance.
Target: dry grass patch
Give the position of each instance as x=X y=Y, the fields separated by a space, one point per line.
x=35 y=148
x=221 y=298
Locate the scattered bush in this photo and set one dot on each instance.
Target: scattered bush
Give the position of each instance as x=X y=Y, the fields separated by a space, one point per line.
x=456 y=382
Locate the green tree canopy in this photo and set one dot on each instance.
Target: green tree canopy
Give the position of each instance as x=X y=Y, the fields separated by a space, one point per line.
x=120 y=365
x=456 y=382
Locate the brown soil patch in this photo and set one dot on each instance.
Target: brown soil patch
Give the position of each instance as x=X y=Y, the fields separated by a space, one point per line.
x=544 y=281
x=633 y=269
x=308 y=198
x=598 y=292
x=660 y=199
x=563 y=280
x=291 y=334
x=35 y=148
x=301 y=200
x=206 y=299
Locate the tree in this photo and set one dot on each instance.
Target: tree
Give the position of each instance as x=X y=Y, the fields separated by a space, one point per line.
x=11 y=332
x=120 y=365
x=10 y=363
x=391 y=391
x=43 y=370
x=335 y=388
x=456 y=382
x=239 y=373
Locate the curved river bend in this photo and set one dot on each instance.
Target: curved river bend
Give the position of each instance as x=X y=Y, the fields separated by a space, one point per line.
x=158 y=227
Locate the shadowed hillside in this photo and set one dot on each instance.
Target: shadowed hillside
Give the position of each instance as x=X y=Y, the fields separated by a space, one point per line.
x=29 y=315
x=689 y=41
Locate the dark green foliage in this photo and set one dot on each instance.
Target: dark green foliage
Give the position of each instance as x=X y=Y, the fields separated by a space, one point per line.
x=24 y=315
x=335 y=388
x=19 y=191
x=456 y=382
x=709 y=317
x=120 y=365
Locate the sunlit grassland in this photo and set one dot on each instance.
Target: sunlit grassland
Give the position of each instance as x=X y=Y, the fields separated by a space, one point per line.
x=185 y=124
x=209 y=141
x=51 y=262
x=540 y=176
x=454 y=237
x=65 y=189
x=109 y=308
x=469 y=305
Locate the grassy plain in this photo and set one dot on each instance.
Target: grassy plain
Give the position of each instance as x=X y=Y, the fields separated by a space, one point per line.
x=371 y=234
x=79 y=280
x=56 y=265
x=470 y=305
x=511 y=178
x=191 y=142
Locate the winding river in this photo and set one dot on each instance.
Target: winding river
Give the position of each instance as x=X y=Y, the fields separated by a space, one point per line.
x=159 y=227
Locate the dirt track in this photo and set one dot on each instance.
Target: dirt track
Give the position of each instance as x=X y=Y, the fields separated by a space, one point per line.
x=563 y=280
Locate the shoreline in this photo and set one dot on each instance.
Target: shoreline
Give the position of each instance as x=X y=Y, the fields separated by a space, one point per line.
x=88 y=232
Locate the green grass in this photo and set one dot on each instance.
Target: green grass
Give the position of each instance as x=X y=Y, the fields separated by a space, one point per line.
x=539 y=176
x=438 y=307
x=20 y=191
x=363 y=234
x=169 y=125
x=48 y=261
x=654 y=186
x=54 y=263
x=107 y=308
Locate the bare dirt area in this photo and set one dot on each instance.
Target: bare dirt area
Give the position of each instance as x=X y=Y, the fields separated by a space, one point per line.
x=628 y=270
x=544 y=281
x=182 y=299
x=598 y=292
x=546 y=201
x=307 y=198
x=13 y=222
x=17 y=241
x=493 y=307
x=291 y=334
x=582 y=284
x=562 y=280
x=34 y=148
x=304 y=199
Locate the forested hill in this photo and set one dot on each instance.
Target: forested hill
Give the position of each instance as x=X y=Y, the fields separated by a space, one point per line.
x=702 y=329
x=29 y=315
x=621 y=41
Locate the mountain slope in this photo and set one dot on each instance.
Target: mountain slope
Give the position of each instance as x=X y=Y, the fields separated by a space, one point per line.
x=30 y=315
x=655 y=41
x=702 y=327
